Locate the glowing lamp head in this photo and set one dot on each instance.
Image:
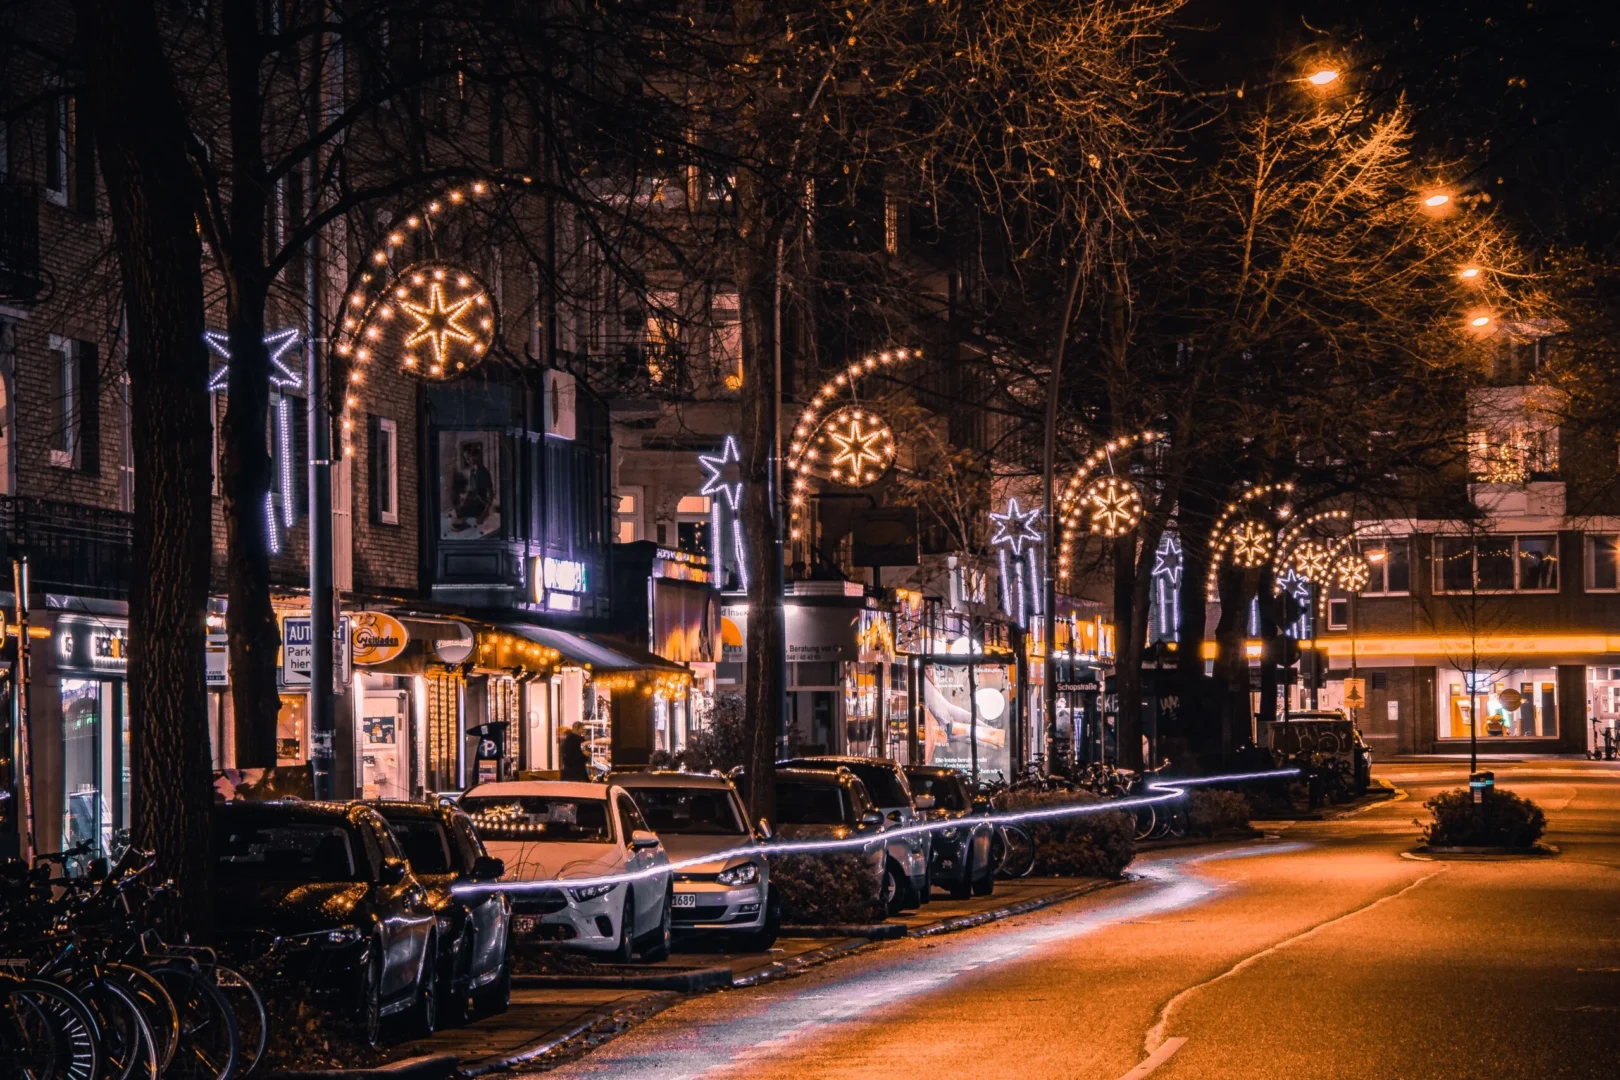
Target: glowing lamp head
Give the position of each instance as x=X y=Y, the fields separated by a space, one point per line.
x=1468 y=273
x=1322 y=77
x=1436 y=200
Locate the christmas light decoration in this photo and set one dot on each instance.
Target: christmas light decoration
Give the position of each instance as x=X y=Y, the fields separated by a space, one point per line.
x=283 y=377
x=1312 y=561
x=723 y=483
x=1015 y=527
x=1020 y=591
x=1278 y=496
x=1113 y=504
x=1071 y=500
x=858 y=445
x=1250 y=544
x=278 y=343
x=1352 y=571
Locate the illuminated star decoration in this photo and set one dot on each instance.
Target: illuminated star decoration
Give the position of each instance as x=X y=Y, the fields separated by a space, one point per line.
x=1353 y=572
x=715 y=465
x=1250 y=543
x=1167 y=560
x=278 y=342
x=436 y=323
x=1313 y=560
x=1295 y=584
x=1016 y=527
x=1115 y=506
x=862 y=440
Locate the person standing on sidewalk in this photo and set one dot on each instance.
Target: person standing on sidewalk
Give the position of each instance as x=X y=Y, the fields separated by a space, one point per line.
x=571 y=754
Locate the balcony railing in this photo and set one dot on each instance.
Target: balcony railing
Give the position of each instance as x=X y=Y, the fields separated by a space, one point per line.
x=71 y=548
x=20 y=276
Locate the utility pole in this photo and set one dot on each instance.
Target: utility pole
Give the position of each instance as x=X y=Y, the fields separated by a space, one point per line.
x=24 y=786
x=322 y=599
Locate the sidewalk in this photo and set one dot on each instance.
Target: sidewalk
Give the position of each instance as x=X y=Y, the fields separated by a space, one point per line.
x=555 y=1023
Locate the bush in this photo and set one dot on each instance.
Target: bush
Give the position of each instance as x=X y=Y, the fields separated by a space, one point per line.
x=1084 y=845
x=1502 y=820
x=1215 y=810
x=824 y=890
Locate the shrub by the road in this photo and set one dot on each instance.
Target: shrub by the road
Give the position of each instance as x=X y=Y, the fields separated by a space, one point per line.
x=1502 y=820
x=1097 y=844
x=1214 y=810
x=824 y=890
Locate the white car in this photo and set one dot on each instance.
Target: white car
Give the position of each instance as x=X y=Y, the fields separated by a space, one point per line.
x=550 y=831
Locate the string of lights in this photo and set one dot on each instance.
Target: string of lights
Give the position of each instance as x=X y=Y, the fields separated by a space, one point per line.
x=1163 y=791
x=1111 y=504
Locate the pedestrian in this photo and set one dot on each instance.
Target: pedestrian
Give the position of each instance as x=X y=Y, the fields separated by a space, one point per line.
x=571 y=754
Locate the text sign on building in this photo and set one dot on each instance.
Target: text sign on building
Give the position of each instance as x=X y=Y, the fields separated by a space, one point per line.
x=298 y=651
x=93 y=644
x=378 y=638
x=558 y=584
x=218 y=669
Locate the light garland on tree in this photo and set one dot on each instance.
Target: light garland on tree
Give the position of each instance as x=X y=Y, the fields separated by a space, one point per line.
x=1072 y=504
x=848 y=436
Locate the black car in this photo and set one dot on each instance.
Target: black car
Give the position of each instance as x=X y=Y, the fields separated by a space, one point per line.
x=817 y=804
x=959 y=857
x=474 y=970
x=325 y=887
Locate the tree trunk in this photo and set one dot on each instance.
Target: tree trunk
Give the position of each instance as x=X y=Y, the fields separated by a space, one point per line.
x=1128 y=634
x=1270 y=636
x=246 y=480
x=141 y=135
x=764 y=669
x=1232 y=659
x=1199 y=722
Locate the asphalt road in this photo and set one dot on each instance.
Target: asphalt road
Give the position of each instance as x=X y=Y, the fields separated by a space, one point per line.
x=1320 y=953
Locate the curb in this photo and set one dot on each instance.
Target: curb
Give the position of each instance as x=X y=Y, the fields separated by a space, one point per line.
x=685 y=980
x=426 y=1067
x=782 y=969
x=582 y=1030
x=1023 y=907
x=872 y=932
x=1537 y=849
x=1150 y=846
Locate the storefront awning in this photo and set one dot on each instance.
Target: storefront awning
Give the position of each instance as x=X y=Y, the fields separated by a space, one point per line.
x=600 y=655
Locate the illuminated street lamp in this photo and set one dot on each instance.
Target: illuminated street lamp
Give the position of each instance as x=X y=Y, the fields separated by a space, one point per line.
x=1322 y=77
x=1436 y=199
x=1469 y=273
x=1480 y=322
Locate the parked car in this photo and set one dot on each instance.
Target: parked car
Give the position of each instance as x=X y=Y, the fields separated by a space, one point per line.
x=474 y=966
x=327 y=887
x=908 y=855
x=547 y=831
x=959 y=855
x=820 y=804
x=698 y=816
x=1329 y=732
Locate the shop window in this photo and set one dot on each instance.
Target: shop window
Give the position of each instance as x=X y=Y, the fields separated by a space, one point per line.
x=1510 y=704
x=1496 y=564
x=1390 y=561
x=1602 y=562
x=383 y=462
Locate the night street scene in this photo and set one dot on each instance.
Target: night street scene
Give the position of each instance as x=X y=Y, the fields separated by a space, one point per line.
x=656 y=539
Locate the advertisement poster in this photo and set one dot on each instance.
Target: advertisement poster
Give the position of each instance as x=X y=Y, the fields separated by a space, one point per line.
x=469 y=484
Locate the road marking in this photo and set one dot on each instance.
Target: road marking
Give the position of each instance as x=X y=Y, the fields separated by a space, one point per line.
x=1155 y=1036
x=1155 y=1059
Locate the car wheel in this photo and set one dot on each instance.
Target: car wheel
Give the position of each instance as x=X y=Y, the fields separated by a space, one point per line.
x=985 y=883
x=762 y=939
x=660 y=938
x=894 y=890
x=454 y=976
x=626 y=952
x=422 y=1018
x=497 y=996
x=371 y=1018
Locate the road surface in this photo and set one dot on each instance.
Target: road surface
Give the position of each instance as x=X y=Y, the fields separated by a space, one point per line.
x=1321 y=953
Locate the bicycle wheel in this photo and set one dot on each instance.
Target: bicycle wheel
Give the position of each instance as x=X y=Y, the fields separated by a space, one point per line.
x=1145 y=820
x=50 y=1011
x=154 y=1001
x=28 y=1042
x=1327 y=743
x=1020 y=851
x=126 y=1038
x=210 y=1042
x=252 y=1022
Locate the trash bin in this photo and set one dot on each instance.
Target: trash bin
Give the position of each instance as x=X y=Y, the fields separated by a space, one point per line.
x=1481 y=784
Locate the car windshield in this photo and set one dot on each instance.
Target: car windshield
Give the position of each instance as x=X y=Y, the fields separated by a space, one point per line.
x=305 y=852
x=945 y=789
x=538 y=817
x=884 y=784
x=810 y=804
x=689 y=811
x=427 y=848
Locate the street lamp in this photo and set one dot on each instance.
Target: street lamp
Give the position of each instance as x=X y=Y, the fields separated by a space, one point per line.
x=1434 y=201
x=1469 y=273
x=1322 y=77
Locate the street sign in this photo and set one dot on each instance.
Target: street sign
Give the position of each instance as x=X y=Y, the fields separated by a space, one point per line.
x=1511 y=699
x=219 y=660
x=298 y=654
x=1355 y=693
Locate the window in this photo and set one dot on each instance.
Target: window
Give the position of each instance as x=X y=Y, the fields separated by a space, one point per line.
x=1512 y=455
x=1602 y=562
x=630 y=817
x=1390 y=561
x=663 y=330
x=1496 y=564
x=1510 y=703
x=726 y=313
x=627 y=516
x=75 y=412
x=1338 y=614
x=384 y=471
x=56 y=148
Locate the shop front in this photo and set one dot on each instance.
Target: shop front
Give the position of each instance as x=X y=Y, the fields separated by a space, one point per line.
x=846 y=692
x=667 y=605
x=1083 y=729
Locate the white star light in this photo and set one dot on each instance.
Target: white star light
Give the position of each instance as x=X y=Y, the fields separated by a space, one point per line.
x=279 y=342
x=715 y=465
x=1015 y=527
x=1294 y=583
x=1167 y=560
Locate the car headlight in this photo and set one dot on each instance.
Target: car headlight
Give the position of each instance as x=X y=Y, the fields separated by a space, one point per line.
x=589 y=892
x=746 y=874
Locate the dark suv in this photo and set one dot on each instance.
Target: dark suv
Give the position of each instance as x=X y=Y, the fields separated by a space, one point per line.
x=908 y=855
x=959 y=853
x=1327 y=732
x=816 y=804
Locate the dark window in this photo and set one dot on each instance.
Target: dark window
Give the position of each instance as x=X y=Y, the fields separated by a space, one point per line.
x=1338 y=614
x=1493 y=562
x=630 y=817
x=1538 y=562
x=1603 y=561
x=690 y=811
x=811 y=804
x=382 y=464
x=426 y=847
x=1455 y=558
x=292 y=851
x=1380 y=680
x=948 y=792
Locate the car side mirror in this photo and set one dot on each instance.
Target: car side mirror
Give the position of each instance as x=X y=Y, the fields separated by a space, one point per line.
x=488 y=868
x=392 y=872
x=765 y=829
x=871 y=820
x=641 y=840
x=923 y=802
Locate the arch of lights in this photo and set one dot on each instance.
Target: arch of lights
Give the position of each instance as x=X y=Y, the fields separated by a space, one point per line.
x=838 y=439
x=438 y=318
x=1243 y=537
x=1111 y=503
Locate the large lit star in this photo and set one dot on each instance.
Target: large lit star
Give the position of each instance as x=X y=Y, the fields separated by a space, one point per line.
x=278 y=342
x=715 y=465
x=436 y=323
x=1115 y=506
x=1016 y=527
x=1167 y=560
x=1251 y=543
x=857 y=447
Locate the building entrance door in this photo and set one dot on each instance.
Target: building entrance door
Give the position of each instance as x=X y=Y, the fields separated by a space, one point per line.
x=384 y=760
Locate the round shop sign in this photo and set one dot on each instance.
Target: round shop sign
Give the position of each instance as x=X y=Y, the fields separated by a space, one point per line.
x=378 y=638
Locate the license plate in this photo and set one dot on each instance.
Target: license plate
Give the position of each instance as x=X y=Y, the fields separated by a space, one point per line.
x=525 y=924
x=686 y=899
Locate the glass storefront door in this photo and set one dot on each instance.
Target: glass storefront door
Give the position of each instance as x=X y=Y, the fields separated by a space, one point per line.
x=95 y=767
x=384 y=746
